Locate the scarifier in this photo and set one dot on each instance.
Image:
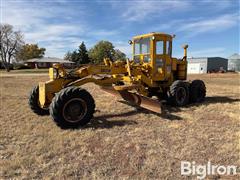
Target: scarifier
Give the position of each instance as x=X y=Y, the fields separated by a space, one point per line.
x=152 y=72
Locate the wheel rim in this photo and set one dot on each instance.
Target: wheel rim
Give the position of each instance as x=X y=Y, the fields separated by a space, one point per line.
x=74 y=110
x=181 y=95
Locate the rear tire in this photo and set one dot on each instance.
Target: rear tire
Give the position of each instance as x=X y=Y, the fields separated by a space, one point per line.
x=34 y=104
x=179 y=93
x=72 y=107
x=197 y=91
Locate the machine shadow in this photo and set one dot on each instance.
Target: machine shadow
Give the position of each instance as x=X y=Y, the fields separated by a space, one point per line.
x=220 y=99
x=208 y=100
x=167 y=110
x=215 y=100
x=103 y=122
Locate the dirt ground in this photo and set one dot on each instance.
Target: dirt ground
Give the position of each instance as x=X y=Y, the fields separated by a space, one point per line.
x=121 y=142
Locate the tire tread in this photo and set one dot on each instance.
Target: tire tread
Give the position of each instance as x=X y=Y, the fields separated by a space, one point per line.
x=33 y=102
x=59 y=100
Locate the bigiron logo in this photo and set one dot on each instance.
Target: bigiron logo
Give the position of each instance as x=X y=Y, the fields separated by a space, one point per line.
x=201 y=171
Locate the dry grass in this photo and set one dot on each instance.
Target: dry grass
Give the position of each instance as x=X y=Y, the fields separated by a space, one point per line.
x=121 y=142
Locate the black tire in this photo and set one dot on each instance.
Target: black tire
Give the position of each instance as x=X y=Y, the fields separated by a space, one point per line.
x=178 y=94
x=34 y=104
x=72 y=108
x=197 y=91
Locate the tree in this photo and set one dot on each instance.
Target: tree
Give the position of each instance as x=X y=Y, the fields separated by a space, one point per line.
x=103 y=49
x=83 y=54
x=30 y=51
x=10 y=43
x=75 y=57
x=119 y=55
x=79 y=56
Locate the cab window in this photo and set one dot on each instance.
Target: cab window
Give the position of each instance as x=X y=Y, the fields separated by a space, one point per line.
x=137 y=48
x=142 y=46
x=169 y=48
x=159 y=47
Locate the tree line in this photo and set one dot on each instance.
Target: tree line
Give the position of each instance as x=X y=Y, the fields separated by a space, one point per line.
x=103 y=49
x=13 y=48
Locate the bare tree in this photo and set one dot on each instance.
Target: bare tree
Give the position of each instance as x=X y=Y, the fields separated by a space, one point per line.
x=10 y=42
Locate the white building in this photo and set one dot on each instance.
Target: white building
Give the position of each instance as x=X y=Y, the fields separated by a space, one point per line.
x=234 y=62
x=200 y=65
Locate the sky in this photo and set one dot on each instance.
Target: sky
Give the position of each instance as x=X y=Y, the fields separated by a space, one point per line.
x=209 y=27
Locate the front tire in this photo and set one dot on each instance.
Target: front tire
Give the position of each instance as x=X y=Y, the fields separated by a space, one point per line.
x=179 y=93
x=34 y=104
x=72 y=107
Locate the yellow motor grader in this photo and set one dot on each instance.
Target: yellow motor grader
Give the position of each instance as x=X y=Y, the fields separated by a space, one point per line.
x=152 y=72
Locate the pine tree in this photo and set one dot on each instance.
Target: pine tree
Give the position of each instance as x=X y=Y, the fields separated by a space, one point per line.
x=83 y=54
x=75 y=57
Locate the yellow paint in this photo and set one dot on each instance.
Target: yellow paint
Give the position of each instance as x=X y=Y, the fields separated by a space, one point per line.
x=42 y=94
x=51 y=73
x=157 y=72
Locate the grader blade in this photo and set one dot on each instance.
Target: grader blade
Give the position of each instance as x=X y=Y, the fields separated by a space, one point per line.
x=142 y=101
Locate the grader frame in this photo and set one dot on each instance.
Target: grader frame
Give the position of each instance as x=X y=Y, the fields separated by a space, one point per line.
x=152 y=72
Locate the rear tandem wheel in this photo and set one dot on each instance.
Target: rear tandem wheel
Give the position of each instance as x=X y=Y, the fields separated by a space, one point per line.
x=178 y=94
x=197 y=91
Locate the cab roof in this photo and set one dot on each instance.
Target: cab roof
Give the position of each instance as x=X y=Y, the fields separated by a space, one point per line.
x=155 y=34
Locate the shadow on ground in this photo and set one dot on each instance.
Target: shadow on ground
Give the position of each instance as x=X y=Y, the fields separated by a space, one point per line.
x=167 y=110
x=103 y=122
x=208 y=100
x=220 y=99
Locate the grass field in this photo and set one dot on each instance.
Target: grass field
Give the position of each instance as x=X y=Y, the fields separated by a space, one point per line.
x=121 y=142
x=24 y=71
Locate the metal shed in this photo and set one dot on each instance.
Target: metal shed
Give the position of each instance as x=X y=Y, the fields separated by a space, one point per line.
x=200 y=65
x=234 y=62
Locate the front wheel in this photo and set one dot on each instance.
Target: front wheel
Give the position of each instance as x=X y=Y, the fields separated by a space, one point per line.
x=72 y=107
x=34 y=103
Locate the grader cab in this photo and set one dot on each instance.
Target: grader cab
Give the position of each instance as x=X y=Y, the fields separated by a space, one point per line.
x=152 y=72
